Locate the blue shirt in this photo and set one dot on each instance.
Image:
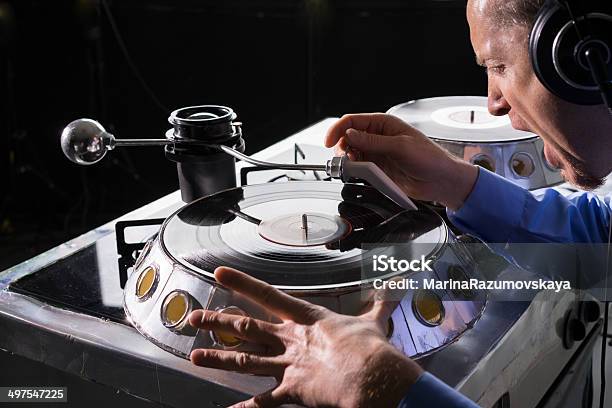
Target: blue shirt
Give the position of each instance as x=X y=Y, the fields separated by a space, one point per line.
x=428 y=391
x=499 y=211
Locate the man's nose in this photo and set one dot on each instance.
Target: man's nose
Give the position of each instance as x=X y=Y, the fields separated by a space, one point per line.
x=497 y=104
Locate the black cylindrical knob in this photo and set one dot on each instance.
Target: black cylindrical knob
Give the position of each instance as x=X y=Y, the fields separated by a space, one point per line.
x=209 y=123
x=202 y=168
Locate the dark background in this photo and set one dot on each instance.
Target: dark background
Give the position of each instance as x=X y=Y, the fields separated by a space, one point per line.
x=281 y=65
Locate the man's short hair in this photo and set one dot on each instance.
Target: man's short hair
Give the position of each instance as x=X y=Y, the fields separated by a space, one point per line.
x=517 y=12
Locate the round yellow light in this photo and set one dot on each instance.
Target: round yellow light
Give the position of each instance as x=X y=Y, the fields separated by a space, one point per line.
x=484 y=161
x=522 y=164
x=224 y=338
x=428 y=307
x=145 y=284
x=175 y=308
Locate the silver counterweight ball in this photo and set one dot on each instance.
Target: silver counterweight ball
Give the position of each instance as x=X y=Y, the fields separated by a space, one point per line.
x=85 y=141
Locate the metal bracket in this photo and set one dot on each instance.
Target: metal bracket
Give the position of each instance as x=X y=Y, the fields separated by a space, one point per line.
x=126 y=250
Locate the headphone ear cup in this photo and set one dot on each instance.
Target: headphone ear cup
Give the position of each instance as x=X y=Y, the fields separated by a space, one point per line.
x=553 y=50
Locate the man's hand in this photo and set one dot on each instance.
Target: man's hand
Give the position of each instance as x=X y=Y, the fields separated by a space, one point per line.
x=319 y=358
x=417 y=165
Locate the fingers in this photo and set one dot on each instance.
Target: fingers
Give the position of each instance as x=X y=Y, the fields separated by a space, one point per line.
x=370 y=122
x=342 y=147
x=241 y=362
x=371 y=143
x=277 y=302
x=243 y=327
x=381 y=312
x=272 y=398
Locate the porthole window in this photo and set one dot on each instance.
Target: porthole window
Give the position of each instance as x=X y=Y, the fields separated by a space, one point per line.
x=175 y=309
x=484 y=161
x=146 y=283
x=457 y=273
x=227 y=339
x=522 y=165
x=428 y=307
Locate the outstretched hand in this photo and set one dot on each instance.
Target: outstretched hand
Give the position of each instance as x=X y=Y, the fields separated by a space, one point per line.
x=318 y=357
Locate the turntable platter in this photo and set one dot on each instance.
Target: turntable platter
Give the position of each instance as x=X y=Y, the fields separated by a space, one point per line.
x=458 y=118
x=259 y=229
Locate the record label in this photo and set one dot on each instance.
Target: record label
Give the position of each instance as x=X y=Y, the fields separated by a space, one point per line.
x=468 y=117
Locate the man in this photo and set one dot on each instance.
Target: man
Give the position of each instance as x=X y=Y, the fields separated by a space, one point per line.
x=321 y=358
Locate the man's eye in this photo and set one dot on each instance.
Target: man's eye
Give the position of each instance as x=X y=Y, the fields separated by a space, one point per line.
x=497 y=69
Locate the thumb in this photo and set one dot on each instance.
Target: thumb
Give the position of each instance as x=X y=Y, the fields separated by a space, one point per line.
x=381 y=312
x=383 y=309
x=370 y=142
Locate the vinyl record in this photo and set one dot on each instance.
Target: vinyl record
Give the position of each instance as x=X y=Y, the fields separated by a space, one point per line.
x=295 y=234
x=459 y=119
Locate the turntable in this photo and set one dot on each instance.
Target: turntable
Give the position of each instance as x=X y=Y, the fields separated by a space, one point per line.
x=74 y=308
x=463 y=126
x=310 y=239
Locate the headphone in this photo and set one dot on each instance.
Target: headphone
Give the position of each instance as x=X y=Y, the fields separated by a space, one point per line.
x=570 y=47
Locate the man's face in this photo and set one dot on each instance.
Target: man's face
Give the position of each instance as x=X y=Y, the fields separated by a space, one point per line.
x=572 y=140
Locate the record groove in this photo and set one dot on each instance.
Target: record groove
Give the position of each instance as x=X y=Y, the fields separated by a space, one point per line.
x=222 y=229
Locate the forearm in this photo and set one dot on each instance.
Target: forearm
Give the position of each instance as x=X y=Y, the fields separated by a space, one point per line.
x=499 y=211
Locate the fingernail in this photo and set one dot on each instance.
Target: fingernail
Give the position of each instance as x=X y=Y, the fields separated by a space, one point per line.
x=196 y=354
x=195 y=317
x=352 y=132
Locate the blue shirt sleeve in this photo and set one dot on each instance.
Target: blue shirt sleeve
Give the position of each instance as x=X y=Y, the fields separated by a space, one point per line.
x=428 y=391
x=500 y=211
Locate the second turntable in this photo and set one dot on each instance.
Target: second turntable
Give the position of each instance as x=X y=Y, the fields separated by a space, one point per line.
x=463 y=126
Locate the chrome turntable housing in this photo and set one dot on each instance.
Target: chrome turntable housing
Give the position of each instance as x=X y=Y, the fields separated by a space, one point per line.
x=463 y=126
x=310 y=239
